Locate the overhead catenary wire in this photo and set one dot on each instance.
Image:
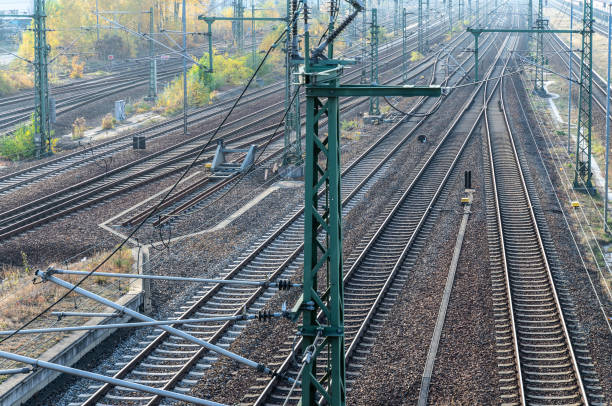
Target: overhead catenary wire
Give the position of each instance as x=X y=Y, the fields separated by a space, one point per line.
x=191 y=165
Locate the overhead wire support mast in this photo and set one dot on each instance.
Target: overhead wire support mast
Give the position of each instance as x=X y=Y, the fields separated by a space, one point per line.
x=420 y=28
x=152 y=94
x=404 y=48
x=583 y=174
x=374 y=108
x=541 y=25
x=42 y=123
x=322 y=307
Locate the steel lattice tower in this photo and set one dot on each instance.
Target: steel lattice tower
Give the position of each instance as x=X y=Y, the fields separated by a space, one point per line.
x=42 y=126
x=420 y=28
x=404 y=48
x=539 y=62
x=582 y=177
x=293 y=125
x=374 y=31
x=238 y=26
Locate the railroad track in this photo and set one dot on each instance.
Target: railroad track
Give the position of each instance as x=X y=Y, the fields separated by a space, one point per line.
x=599 y=84
x=142 y=171
x=167 y=362
x=56 y=166
x=72 y=96
x=542 y=358
x=377 y=274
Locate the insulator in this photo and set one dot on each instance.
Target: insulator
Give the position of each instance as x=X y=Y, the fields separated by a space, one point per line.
x=284 y=284
x=264 y=315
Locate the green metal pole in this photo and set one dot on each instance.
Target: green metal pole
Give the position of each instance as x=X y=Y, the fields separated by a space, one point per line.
x=364 y=36
x=427 y=11
x=404 y=48
x=152 y=94
x=582 y=176
x=253 y=33
x=293 y=125
x=420 y=27
x=476 y=57
x=374 y=102
x=539 y=62
x=530 y=14
x=42 y=126
x=395 y=16
x=450 y=15
x=210 y=47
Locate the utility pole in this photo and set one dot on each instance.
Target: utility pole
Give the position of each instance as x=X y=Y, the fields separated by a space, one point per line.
x=460 y=11
x=322 y=307
x=293 y=121
x=97 y=23
x=609 y=5
x=569 y=75
x=152 y=94
x=539 y=62
x=530 y=15
x=253 y=33
x=42 y=126
x=420 y=28
x=427 y=11
x=238 y=24
x=395 y=16
x=185 y=101
x=582 y=176
x=374 y=110
x=470 y=11
x=364 y=41
x=450 y=15
x=404 y=48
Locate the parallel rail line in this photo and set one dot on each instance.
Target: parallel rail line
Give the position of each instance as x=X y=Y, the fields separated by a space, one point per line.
x=168 y=361
x=534 y=328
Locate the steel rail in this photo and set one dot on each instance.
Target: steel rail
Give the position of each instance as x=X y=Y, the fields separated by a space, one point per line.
x=263 y=397
x=511 y=291
x=249 y=97
x=197 y=117
x=212 y=291
x=34 y=213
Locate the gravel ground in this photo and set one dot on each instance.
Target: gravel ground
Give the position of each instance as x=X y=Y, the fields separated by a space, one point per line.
x=394 y=377
x=208 y=260
x=205 y=255
x=597 y=334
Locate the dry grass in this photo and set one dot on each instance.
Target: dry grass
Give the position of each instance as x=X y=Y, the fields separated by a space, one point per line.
x=559 y=20
x=21 y=298
x=108 y=122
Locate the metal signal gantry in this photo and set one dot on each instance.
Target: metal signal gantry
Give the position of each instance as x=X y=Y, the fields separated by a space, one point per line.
x=322 y=307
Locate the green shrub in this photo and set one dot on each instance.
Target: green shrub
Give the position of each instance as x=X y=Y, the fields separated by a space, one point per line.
x=20 y=144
